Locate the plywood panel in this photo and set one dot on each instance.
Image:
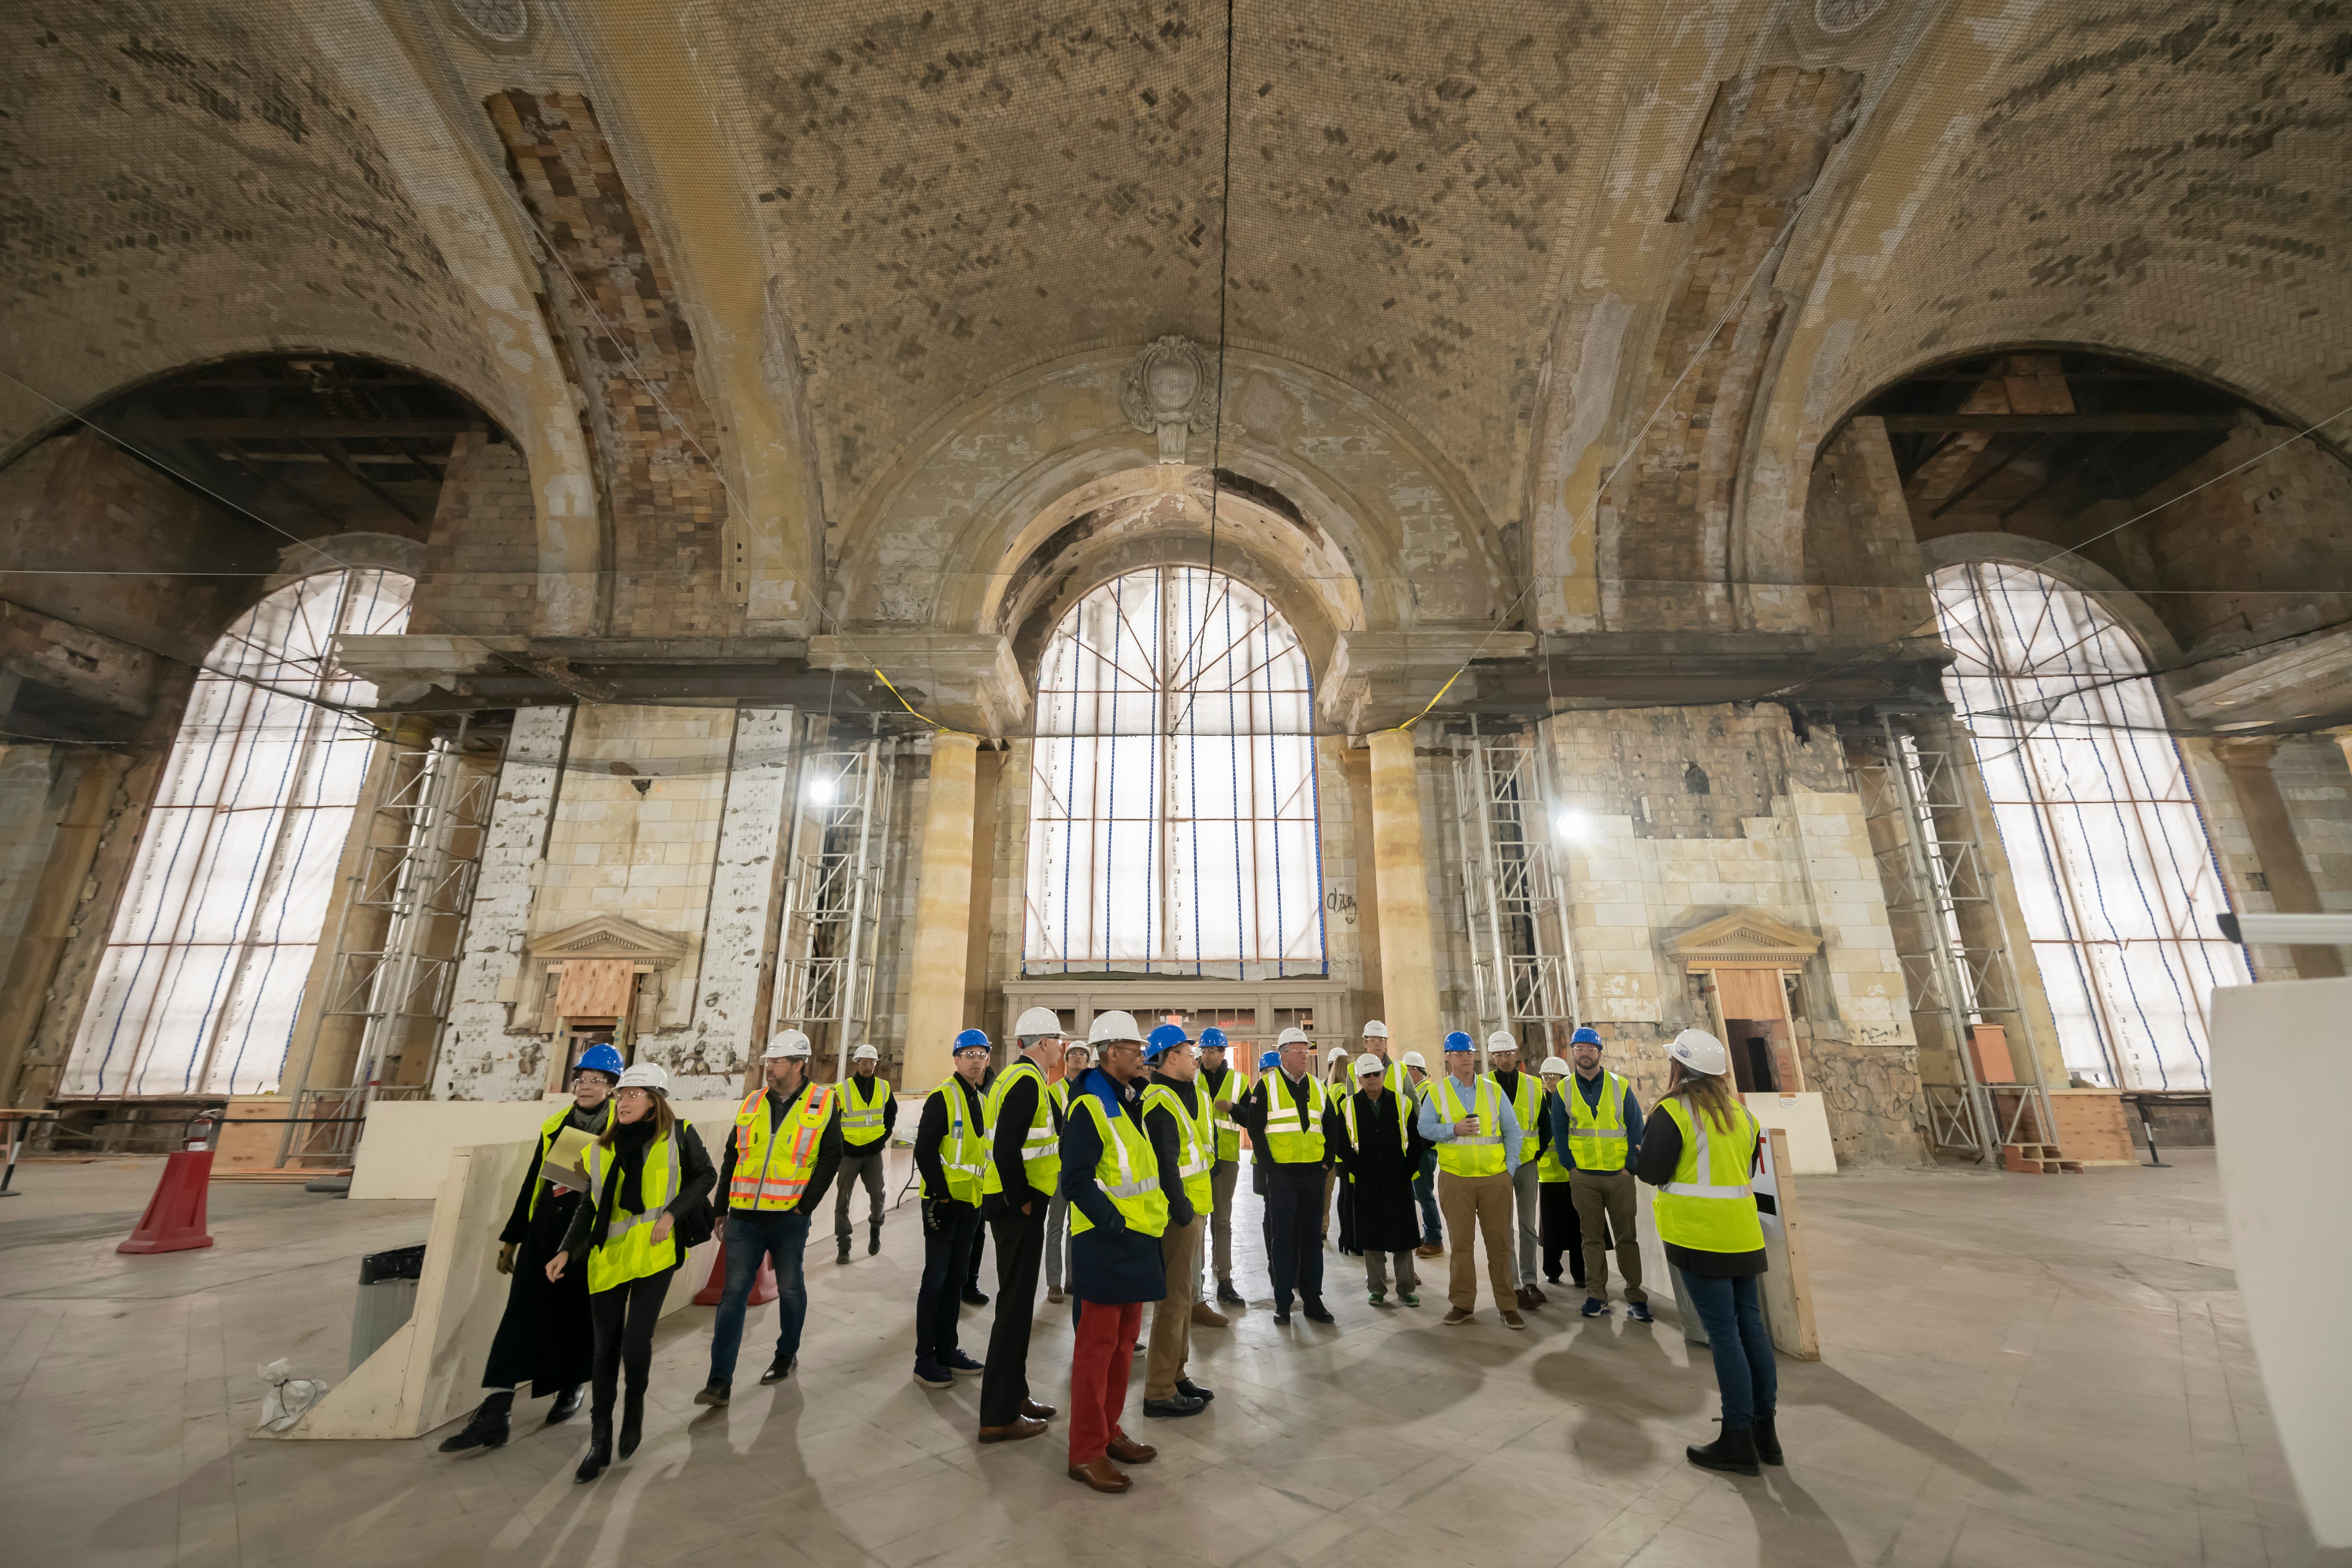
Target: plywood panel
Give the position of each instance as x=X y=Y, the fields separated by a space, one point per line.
x=1749 y=992
x=596 y=988
x=2092 y=1126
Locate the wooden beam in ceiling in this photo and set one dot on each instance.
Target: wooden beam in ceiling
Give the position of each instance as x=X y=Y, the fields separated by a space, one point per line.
x=330 y=429
x=2071 y=424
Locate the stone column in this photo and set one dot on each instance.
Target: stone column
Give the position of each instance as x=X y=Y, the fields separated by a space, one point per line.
x=942 y=915
x=740 y=943
x=48 y=921
x=1408 y=970
x=2292 y=892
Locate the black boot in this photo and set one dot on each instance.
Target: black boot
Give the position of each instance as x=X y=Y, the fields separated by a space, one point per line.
x=1768 y=1441
x=600 y=1449
x=488 y=1429
x=1734 y=1450
x=841 y=1255
x=873 y=1238
x=567 y=1403
x=632 y=1420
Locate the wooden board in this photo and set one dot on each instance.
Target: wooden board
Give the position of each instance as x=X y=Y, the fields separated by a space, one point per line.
x=1787 y=1288
x=2093 y=1126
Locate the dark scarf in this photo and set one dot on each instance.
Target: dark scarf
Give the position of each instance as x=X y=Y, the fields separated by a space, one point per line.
x=627 y=1186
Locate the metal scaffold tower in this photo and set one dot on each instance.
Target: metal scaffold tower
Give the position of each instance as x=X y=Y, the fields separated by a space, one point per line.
x=1521 y=964
x=832 y=905
x=1928 y=836
x=397 y=936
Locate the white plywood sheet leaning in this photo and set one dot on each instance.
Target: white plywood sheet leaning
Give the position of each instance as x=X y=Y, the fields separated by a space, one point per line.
x=1807 y=1123
x=2282 y=1077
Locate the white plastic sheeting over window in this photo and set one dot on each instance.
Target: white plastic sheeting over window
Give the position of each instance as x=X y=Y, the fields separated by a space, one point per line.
x=2105 y=845
x=203 y=971
x=1173 y=822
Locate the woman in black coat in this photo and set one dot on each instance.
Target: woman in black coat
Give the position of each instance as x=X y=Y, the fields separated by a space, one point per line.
x=1378 y=1162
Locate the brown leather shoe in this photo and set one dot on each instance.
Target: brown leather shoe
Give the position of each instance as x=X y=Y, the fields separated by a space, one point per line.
x=1513 y=1320
x=1052 y=1292
x=1019 y=1427
x=1527 y=1299
x=1456 y=1317
x=1427 y=1251
x=1101 y=1475
x=1036 y=1411
x=1207 y=1317
x=1127 y=1451
x=1535 y=1297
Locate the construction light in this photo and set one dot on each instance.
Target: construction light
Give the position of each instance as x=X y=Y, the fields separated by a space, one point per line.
x=821 y=788
x=1569 y=824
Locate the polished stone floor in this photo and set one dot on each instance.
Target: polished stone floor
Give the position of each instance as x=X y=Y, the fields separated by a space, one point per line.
x=2021 y=1372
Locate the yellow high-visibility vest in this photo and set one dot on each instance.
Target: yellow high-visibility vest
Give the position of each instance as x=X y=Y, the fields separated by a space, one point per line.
x=1129 y=1172
x=1404 y=1134
x=1596 y=1133
x=1229 y=1132
x=1196 y=1140
x=1550 y=1167
x=547 y=1131
x=964 y=1153
x=772 y=1171
x=861 y=1117
x=1710 y=1206
x=1294 y=1128
x=1526 y=1100
x=629 y=1250
x=1476 y=1154
x=1040 y=1146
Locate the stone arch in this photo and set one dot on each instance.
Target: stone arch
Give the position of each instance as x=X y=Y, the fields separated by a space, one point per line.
x=2157 y=646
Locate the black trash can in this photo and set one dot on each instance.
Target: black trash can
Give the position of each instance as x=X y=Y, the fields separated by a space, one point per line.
x=387 y=1297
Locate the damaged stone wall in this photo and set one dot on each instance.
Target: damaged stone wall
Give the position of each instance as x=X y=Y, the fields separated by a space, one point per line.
x=1863 y=570
x=1786 y=836
x=481 y=559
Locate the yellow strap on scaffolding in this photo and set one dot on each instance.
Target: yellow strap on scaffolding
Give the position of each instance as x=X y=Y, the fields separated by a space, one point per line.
x=1433 y=701
x=926 y=718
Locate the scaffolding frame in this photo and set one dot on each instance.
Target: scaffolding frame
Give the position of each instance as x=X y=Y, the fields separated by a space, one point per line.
x=413 y=874
x=1933 y=873
x=830 y=926
x=1522 y=966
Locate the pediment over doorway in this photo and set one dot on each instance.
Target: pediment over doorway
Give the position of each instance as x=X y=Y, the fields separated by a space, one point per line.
x=609 y=936
x=1744 y=937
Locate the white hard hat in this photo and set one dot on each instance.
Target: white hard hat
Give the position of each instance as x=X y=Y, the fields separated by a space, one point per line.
x=1700 y=1052
x=1554 y=1065
x=649 y=1075
x=1335 y=1054
x=1376 y=1030
x=1369 y=1064
x=866 y=1054
x=1502 y=1040
x=1415 y=1059
x=785 y=1043
x=1294 y=1035
x=1114 y=1025
x=1038 y=1021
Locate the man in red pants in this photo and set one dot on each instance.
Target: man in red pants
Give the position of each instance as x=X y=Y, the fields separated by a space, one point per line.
x=1117 y=1213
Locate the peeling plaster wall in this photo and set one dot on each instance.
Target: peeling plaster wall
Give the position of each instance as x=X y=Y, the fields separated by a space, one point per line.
x=1789 y=839
x=481 y=572
x=746 y=879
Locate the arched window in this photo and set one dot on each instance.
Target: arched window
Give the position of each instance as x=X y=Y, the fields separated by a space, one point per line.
x=2105 y=845
x=1172 y=810
x=203 y=974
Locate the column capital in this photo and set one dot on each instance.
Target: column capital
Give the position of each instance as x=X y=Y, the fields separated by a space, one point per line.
x=2245 y=751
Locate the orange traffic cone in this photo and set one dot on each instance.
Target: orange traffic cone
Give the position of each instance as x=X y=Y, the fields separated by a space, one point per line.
x=174 y=1220
x=764 y=1289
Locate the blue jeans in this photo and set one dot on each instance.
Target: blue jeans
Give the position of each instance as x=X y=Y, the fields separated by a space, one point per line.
x=783 y=1236
x=1733 y=1312
x=1425 y=1190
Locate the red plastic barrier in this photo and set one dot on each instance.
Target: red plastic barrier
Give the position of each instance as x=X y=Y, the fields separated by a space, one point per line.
x=764 y=1289
x=174 y=1220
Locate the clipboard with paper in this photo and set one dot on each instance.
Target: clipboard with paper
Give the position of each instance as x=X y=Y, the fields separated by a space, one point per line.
x=566 y=1164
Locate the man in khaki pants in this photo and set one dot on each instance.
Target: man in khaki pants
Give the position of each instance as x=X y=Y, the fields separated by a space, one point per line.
x=1477 y=1137
x=1182 y=1122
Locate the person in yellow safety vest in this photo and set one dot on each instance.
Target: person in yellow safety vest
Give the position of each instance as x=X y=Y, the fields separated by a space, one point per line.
x=1182 y=1122
x=1526 y=1096
x=1284 y=1114
x=1700 y=1150
x=1424 y=1182
x=869 y=1114
x=1381 y=1151
x=1077 y=1056
x=1221 y=1076
x=1598 y=1123
x=785 y=1148
x=1025 y=1171
x=648 y=1190
x=1119 y=1211
x=1337 y=1084
x=1395 y=1077
x=1469 y=1119
x=1561 y=1236
x=952 y=1152
x=545 y=1337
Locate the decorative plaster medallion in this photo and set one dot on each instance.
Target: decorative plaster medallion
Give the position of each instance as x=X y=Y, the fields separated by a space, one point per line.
x=508 y=20
x=1168 y=389
x=1846 y=16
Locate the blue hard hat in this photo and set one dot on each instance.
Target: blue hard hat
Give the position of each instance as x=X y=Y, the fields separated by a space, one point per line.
x=1458 y=1041
x=1162 y=1040
x=601 y=1058
x=1585 y=1036
x=1212 y=1039
x=970 y=1039
x=1268 y=1060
